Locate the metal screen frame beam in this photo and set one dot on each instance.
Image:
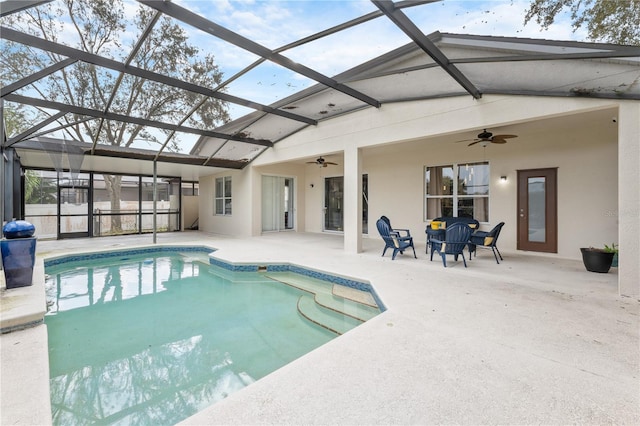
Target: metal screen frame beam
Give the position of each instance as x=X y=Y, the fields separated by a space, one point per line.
x=410 y=29
x=29 y=40
x=34 y=129
x=127 y=62
x=203 y=24
x=9 y=7
x=128 y=119
x=36 y=76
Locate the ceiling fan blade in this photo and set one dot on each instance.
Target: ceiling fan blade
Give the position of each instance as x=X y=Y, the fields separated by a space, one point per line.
x=498 y=140
x=329 y=162
x=473 y=143
x=505 y=136
x=465 y=140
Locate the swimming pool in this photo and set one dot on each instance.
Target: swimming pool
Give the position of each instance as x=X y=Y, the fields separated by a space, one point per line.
x=152 y=336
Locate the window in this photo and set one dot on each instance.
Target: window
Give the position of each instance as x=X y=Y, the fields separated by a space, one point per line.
x=469 y=197
x=189 y=189
x=223 y=196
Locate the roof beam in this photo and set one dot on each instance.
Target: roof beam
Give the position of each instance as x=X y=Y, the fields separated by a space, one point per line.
x=12 y=6
x=578 y=93
x=410 y=29
x=128 y=119
x=29 y=40
x=219 y=31
x=551 y=56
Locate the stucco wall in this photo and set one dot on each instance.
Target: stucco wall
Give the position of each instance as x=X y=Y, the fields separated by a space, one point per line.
x=397 y=141
x=587 y=183
x=239 y=222
x=287 y=170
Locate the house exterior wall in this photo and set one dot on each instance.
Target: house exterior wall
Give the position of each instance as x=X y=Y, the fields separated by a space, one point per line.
x=629 y=199
x=287 y=170
x=239 y=222
x=586 y=160
x=396 y=142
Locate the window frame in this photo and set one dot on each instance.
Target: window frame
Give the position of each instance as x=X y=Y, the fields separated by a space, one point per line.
x=227 y=199
x=455 y=196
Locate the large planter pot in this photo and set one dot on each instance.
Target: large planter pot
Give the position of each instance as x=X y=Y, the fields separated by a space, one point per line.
x=596 y=260
x=18 y=251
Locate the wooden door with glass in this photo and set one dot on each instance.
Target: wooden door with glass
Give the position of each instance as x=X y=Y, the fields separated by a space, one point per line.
x=537 y=210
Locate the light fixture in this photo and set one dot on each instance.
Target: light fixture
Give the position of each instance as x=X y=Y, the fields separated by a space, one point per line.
x=503 y=178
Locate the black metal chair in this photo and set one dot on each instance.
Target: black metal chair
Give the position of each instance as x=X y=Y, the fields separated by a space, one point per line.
x=487 y=240
x=455 y=240
x=393 y=240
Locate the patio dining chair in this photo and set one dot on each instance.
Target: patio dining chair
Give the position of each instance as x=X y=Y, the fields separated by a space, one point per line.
x=455 y=240
x=486 y=240
x=393 y=240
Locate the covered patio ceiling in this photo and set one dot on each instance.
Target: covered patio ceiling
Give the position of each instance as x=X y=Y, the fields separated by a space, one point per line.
x=429 y=66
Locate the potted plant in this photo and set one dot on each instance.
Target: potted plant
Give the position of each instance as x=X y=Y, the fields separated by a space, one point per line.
x=598 y=259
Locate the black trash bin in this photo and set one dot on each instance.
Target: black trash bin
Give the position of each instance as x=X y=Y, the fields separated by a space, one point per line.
x=18 y=253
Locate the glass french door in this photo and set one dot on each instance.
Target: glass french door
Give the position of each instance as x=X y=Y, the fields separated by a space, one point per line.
x=278 y=213
x=537 y=210
x=333 y=204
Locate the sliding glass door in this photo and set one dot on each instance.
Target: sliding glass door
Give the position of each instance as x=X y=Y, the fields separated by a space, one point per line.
x=278 y=213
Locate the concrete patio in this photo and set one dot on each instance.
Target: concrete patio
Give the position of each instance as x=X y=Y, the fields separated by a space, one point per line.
x=535 y=339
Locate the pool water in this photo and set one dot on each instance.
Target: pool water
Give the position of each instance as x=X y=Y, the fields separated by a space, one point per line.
x=154 y=338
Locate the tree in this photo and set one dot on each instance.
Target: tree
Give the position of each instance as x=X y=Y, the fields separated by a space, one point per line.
x=612 y=21
x=101 y=27
x=16 y=122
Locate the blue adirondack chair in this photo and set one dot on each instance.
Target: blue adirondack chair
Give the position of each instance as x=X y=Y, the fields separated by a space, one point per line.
x=399 y=231
x=393 y=240
x=455 y=240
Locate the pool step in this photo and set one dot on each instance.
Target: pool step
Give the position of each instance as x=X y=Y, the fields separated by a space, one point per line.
x=303 y=282
x=327 y=295
x=346 y=306
x=326 y=318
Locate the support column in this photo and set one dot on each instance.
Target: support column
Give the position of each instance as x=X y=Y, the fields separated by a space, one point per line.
x=629 y=199
x=352 y=200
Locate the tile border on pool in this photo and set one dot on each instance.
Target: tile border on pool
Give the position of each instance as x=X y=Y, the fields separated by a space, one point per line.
x=230 y=266
x=65 y=258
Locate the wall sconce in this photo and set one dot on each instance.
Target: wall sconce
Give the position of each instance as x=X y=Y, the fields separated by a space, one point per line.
x=503 y=179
